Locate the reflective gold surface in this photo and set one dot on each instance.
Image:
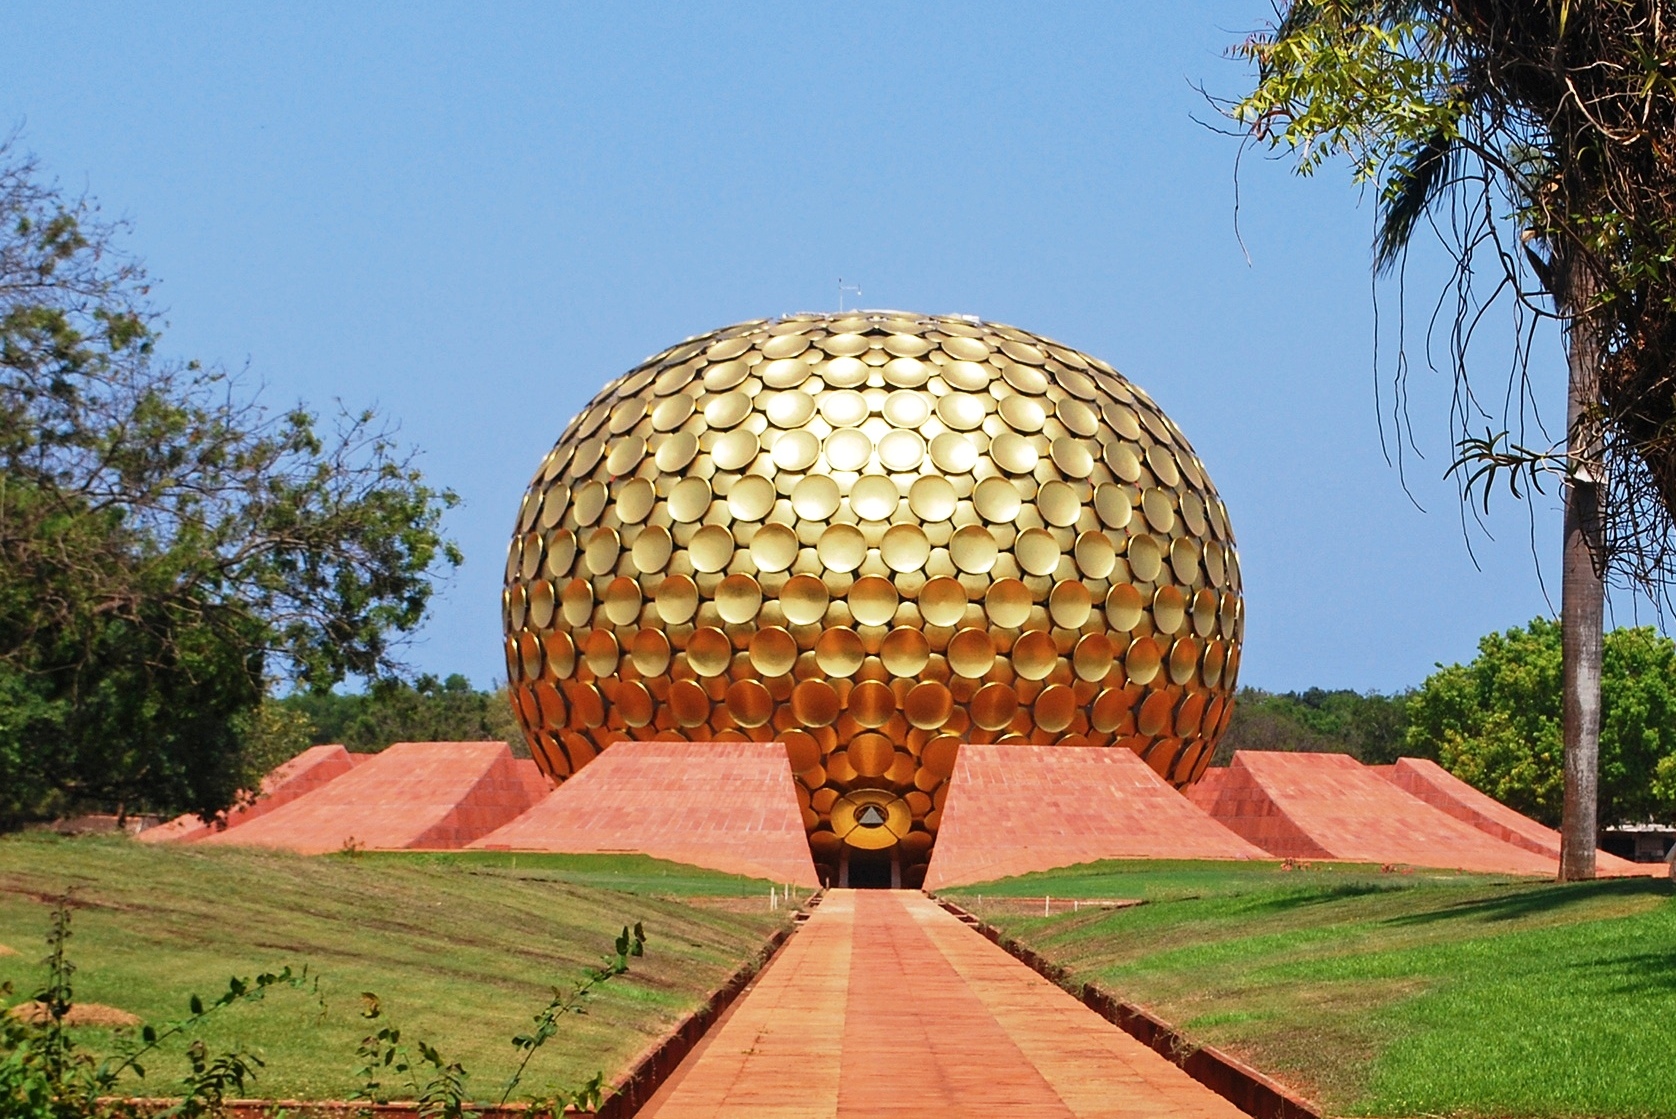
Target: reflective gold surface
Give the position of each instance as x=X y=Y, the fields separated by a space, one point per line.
x=873 y=536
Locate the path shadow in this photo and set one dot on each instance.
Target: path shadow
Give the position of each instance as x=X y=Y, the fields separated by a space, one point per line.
x=1650 y=972
x=1538 y=900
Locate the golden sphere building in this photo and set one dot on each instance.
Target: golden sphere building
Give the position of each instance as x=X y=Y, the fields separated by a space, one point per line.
x=873 y=536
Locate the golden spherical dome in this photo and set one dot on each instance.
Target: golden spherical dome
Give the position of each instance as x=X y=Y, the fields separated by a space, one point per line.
x=873 y=536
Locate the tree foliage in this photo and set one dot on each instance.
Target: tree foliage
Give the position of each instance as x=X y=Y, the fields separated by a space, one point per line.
x=427 y=710
x=1534 y=139
x=1495 y=722
x=1368 y=726
x=169 y=545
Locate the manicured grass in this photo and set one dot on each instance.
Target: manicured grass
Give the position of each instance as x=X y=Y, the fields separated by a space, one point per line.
x=462 y=949
x=1387 y=994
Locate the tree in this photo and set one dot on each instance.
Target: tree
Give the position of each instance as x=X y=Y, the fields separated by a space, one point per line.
x=169 y=546
x=1370 y=727
x=1496 y=723
x=427 y=710
x=1533 y=139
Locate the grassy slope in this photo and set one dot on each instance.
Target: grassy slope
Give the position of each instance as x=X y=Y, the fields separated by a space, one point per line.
x=1385 y=994
x=463 y=949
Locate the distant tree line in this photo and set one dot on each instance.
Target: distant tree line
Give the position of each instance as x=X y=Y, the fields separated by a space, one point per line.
x=428 y=710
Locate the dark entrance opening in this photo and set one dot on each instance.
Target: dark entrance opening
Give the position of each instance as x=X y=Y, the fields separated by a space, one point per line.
x=871 y=870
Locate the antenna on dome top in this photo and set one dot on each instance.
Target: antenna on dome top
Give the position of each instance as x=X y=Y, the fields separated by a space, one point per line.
x=842 y=288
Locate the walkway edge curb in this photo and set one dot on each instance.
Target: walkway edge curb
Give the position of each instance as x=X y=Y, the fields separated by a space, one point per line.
x=1235 y=1081
x=631 y=1091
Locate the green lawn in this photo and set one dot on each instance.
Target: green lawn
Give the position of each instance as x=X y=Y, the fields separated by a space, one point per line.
x=463 y=949
x=1387 y=994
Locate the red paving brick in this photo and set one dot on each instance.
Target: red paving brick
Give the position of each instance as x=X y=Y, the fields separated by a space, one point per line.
x=728 y=806
x=883 y=1005
x=304 y=773
x=1016 y=809
x=1330 y=806
x=1444 y=791
x=435 y=795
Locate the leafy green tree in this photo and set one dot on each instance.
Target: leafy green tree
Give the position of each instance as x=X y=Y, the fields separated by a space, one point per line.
x=1369 y=727
x=1497 y=722
x=168 y=545
x=427 y=710
x=1533 y=138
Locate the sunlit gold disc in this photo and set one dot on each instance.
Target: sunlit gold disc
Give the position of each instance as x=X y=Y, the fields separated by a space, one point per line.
x=1013 y=453
x=993 y=707
x=787 y=373
x=1143 y=659
x=1077 y=417
x=905 y=548
x=727 y=349
x=1160 y=514
x=843 y=372
x=1124 y=461
x=905 y=651
x=1008 y=602
x=773 y=548
x=1072 y=456
x=634 y=703
x=529 y=655
x=588 y=454
x=651 y=549
x=965 y=349
x=1037 y=551
x=967 y=375
x=844 y=345
x=589 y=502
x=749 y=703
x=672 y=411
x=561 y=553
x=871 y=754
x=551 y=706
x=1023 y=413
x=1091 y=659
x=802 y=751
x=1216 y=654
x=676 y=599
x=709 y=652
x=1060 y=504
x=751 y=498
x=649 y=652
x=873 y=600
x=1184 y=660
x=839 y=652
x=841 y=547
x=1096 y=555
x=1169 y=609
x=541 y=602
x=905 y=373
x=1034 y=655
x=635 y=501
x=971 y=653
x=576 y=602
x=906 y=345
x=1070 y=604
x=1204 y=612
x=803 y=600
x=602 y=550
x=1112 y=504
x=554 y=504
x=815 y=498
x=1184 y=558
x=738 y=598
x=689 y=500
x=796 y=450
x=734 y=450
x=675 y=452
x=601 y=652
x=585 y=703
x=673 y=379
x=711 y=548
x=932 y=498
x=625 y=455
x=1024 y=379
x=1055 y=707
x=928 y=705
x=786 y=345
x=996 y=500
x=1022 y=351
x=960 y=411
x=1146 y=559
x=848 y=449
x=1163 y=465
x=814 y=703
x=688 y=703
x=938 y=757
x=1191 y=713
x=942 y=601
x=953 y=453
x=901 y=450
x=790 y=409
x=1154 y=716
x=1193 y=514
x=1124 y=607
x=1110 y=711
x=874 y=497
x=973 y=549
x=622 y=601
x=871 y=703
x=560 y=653
x=843 y=408
x=907 y=408
x=773 y=652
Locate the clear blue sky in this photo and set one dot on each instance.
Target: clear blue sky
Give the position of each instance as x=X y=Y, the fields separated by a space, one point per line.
x=473 y=216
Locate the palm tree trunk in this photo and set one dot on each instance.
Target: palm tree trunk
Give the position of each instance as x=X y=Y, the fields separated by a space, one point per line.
x=1582 y=588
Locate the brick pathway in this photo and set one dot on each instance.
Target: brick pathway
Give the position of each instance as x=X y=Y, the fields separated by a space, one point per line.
x=883 y=1005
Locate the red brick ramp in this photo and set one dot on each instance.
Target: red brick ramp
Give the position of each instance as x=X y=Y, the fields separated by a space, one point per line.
x=308 y=771
x=1425 y=779
x=1017 y=809
x=436 y=795
x=727 y=806
x=1330 y=806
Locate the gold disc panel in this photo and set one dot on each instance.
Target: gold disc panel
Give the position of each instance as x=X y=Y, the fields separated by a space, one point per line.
x=873 y=536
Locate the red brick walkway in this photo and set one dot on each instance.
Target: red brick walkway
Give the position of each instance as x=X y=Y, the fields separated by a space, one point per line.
x=883 y=1005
